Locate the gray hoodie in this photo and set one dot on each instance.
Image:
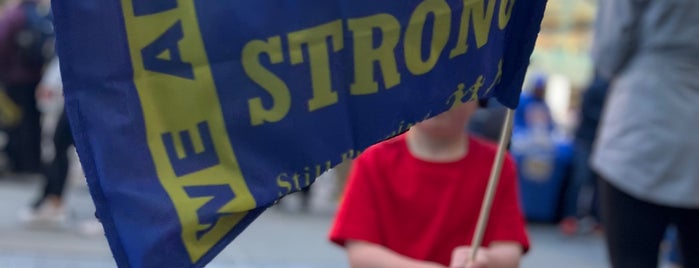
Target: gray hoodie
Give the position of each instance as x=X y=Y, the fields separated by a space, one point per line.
x=648 y=145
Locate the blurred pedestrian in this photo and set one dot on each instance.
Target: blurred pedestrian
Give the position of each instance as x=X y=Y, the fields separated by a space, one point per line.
x=49 y=207
x=414 y=200
x=533 y=112
x=25 y=43
x=580 y=196
x=647 y=152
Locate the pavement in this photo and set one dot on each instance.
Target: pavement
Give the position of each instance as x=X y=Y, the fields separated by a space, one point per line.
x=277 y=239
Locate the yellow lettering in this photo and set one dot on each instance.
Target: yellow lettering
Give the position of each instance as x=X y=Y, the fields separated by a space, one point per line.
x=400 y=126
x=400 y=129
x=307 y=176
x=505 y=13
x=320 y=170
x=457 y=97
x=365 y=54
x=497 y=79
x=328 y=166
x=316 y=40
x=296 y=181
x=276 y=88
x=482 y=19
x=476 y=87
x=414 y=32
x=285 y=185
x=348 y=155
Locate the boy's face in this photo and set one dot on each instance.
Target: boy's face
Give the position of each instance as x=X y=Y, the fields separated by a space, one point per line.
x=450 y=123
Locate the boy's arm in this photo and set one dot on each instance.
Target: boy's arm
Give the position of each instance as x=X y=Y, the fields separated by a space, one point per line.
x=498 y=255
x=504 y=254
x=368 y=255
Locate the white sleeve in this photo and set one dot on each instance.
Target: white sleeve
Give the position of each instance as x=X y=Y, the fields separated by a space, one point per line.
x=52 y=77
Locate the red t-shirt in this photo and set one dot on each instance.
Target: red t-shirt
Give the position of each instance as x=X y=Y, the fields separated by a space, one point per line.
x=422 y=209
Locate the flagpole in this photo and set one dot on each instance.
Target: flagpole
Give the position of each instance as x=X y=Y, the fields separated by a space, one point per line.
x=492 y=183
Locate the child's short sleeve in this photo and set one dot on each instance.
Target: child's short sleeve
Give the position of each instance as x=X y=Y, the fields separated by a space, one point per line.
x=357 y=217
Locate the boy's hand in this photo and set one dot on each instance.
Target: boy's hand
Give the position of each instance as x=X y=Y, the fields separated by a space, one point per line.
x=461 y=258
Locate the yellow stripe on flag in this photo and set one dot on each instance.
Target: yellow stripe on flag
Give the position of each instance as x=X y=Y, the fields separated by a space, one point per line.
x=179 y=99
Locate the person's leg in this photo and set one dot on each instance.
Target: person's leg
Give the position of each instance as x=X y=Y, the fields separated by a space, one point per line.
x=687 y=222
x=57 y=170
x=32 y=147
x=571 y=205
x=594 y=210
x=13 y=148
x=24 y=147
x=49 y=207
x=634 y=228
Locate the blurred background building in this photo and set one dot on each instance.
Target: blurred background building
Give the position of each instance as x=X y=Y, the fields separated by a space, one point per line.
x=562 y=54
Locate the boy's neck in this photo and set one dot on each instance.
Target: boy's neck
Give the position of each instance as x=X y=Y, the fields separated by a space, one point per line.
x=443 y=149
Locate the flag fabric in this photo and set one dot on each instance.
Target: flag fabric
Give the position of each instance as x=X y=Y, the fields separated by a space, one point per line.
x=193 y=117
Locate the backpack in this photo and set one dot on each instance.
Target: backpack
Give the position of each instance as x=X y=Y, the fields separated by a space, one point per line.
x=36 y=39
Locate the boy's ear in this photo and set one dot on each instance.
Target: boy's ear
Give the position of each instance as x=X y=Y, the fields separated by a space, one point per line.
x=482 y=103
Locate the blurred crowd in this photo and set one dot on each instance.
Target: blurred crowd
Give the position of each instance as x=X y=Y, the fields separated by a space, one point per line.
x=36 y=135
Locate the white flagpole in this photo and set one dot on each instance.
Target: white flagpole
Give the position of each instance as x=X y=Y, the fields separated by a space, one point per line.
x=505 y=136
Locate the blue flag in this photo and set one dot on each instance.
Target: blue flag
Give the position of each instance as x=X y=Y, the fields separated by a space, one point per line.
x=192 y=117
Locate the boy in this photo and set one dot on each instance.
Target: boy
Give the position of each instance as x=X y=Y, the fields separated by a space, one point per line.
x=414 y=200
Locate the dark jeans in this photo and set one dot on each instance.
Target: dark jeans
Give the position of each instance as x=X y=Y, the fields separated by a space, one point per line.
x=24 y=144
x=636 y=228
x=56 y=172
x=583 y=177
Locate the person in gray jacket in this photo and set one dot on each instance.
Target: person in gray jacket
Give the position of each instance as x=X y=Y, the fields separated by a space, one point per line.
x=647 y=151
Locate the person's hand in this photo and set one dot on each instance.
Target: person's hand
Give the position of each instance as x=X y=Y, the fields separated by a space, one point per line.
x=48 y=99
x=43 y=93
x=461 y=258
